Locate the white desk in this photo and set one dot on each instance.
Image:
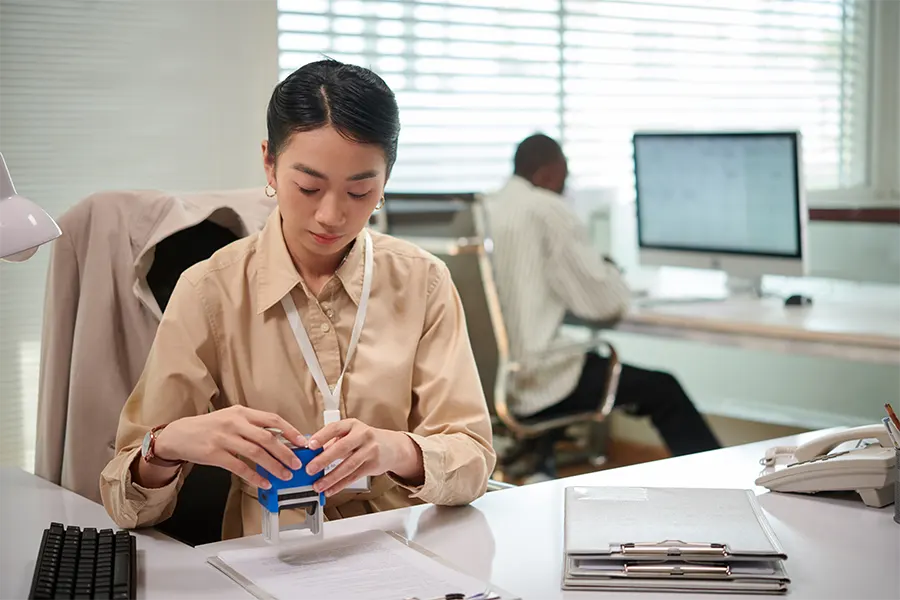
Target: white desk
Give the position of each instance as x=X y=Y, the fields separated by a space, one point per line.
x=837 y=547
x=839 y=330
x=28 y=504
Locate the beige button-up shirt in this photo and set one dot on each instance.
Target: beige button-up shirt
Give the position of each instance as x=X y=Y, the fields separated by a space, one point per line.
x=225 y=340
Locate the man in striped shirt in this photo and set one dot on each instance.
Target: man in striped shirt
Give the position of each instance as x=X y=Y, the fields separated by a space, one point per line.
x=546 y=266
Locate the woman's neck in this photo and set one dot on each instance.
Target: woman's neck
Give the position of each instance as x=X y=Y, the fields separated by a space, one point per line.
x=315 y=269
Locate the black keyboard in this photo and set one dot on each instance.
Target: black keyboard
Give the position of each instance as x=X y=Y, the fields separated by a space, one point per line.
x=76 y=563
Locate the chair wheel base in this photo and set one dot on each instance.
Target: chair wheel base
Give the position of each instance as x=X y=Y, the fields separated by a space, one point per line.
x=598 y=461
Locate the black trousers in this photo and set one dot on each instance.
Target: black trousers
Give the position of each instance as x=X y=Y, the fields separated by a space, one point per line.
x=644 y=393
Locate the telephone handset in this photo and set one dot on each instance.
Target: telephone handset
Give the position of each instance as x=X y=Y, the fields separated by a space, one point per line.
x=815 y=467
x=825 y=444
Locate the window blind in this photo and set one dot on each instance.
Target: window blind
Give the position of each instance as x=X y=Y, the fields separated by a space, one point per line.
x=716 y=64
x=474 y=77
x=103 y=94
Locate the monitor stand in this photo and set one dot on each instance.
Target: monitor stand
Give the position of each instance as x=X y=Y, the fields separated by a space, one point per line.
x=751 y=288
x=745 y=287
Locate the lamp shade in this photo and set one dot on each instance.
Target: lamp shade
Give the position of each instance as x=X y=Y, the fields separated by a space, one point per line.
x=23 y=224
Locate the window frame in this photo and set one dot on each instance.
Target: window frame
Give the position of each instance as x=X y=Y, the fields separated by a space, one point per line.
x=883 y=132
x=881 y=189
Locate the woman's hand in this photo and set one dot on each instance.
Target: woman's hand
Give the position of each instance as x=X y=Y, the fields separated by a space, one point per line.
x=219 y=437
x=365 y=451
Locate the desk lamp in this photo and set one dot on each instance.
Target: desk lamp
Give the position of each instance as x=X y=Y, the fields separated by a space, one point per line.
x=23 y=224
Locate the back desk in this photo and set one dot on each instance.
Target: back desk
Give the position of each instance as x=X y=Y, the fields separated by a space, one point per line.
x=867 y=333
x=837 y=547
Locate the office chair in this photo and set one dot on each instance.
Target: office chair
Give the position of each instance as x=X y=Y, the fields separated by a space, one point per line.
x=200 y=509
x=459 y=235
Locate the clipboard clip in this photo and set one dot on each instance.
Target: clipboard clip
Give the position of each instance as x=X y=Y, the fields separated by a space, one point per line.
x=663 y=570
x=673 y=548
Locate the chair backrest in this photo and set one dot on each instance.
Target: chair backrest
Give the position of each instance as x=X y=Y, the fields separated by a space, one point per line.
x=200 y=509
x=453 y=227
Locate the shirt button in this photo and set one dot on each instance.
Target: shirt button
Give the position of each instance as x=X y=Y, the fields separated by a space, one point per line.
x=326 y=328
x=329 y=313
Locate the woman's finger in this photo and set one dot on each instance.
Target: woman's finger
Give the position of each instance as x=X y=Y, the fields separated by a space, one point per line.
x=331 y=431
x=242 y=470
x=351 y=469
x=264 y=419
x=340 y=449
x=267 y=440
x=259 y=455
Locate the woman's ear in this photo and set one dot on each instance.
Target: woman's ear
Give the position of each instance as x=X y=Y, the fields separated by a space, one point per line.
x=268 y=163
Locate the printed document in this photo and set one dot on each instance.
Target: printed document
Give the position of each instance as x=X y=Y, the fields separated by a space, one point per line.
x=372 y=565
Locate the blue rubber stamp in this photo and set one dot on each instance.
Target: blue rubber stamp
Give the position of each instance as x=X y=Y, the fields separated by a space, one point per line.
x=297 y=492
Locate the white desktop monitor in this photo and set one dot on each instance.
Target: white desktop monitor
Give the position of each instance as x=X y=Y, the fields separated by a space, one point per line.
x=726 y=201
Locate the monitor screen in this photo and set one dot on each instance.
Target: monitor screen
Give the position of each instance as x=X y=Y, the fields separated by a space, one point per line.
x=735 y=193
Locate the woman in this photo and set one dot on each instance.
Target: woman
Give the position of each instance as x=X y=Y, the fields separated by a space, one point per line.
x=264 y=335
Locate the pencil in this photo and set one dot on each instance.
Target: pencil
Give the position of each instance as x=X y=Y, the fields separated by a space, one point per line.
x=892 y=415
x=890 y=430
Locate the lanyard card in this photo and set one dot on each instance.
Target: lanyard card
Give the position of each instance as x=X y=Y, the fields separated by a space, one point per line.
x=332 y=396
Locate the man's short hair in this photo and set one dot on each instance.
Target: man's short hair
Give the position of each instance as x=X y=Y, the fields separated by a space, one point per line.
x=534 y=152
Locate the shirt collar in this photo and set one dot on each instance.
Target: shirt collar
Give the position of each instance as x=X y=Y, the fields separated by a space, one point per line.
x=517 y=183
x=277 y=275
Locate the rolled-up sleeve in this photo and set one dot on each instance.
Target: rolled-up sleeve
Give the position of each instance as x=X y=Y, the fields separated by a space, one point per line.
x=449 y=420
x=178 y=381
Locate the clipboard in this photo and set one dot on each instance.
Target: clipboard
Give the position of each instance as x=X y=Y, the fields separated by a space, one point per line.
x=668 y=579
x=670 y=539
x=755 y=576
x=649 y=524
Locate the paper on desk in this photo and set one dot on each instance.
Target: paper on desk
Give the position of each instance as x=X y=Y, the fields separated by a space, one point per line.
x=372 y=565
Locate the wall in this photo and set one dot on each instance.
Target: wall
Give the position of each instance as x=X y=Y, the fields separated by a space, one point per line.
x=730 y=432
x=101 y=95
x=769 y=387
x=855 y=251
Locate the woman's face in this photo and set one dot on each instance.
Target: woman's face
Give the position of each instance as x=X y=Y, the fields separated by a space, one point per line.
x=327 y=188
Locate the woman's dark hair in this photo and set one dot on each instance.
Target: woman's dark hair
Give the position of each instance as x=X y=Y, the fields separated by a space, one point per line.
x=353 y=100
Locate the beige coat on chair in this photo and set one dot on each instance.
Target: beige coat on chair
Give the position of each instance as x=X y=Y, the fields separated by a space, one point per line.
x=100 y=317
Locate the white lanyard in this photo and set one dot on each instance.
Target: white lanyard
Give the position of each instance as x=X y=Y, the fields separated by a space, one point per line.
x=332 y=397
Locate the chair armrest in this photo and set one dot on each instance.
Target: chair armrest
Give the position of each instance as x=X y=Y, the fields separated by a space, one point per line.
x=571 y=319
x=573 y=349
x=611 y=386
x=495 y=486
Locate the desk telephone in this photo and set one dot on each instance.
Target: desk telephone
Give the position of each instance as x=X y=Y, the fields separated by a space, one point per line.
x=869 y=469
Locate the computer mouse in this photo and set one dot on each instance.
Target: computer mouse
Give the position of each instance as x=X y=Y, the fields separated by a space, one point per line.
x=798 y=300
